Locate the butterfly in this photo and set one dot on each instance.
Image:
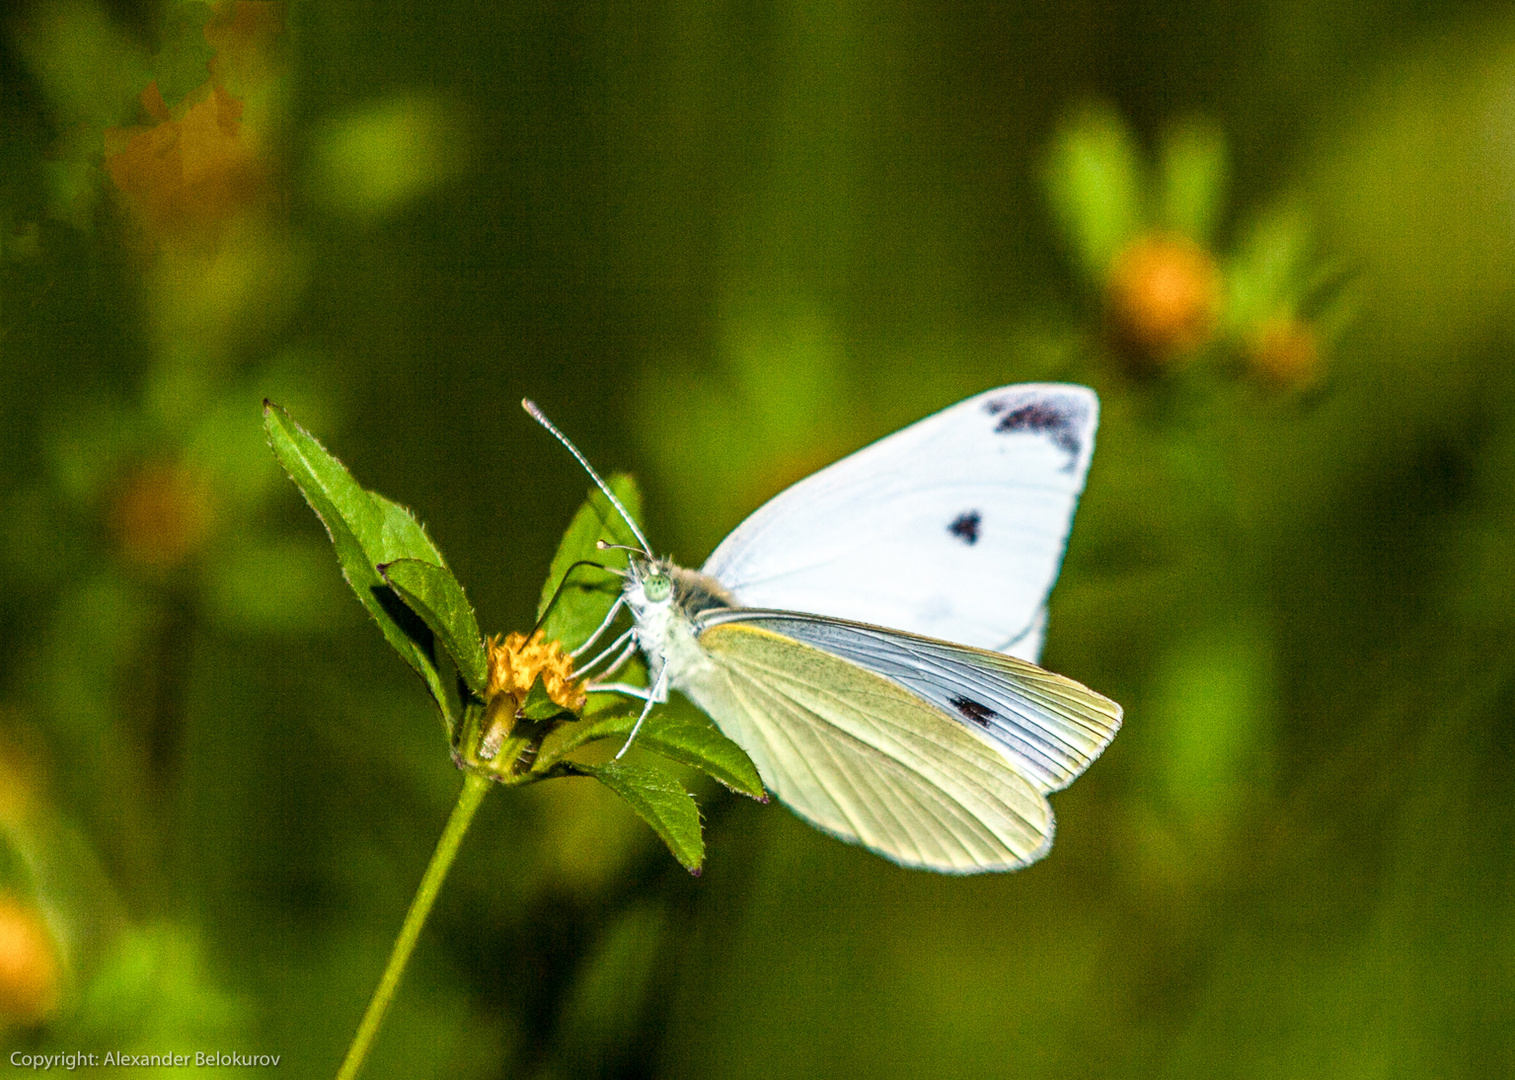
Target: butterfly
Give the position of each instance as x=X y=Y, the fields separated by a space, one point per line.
x=869 y=636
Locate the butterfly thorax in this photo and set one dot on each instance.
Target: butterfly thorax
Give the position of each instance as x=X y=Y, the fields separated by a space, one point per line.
x=666 y=601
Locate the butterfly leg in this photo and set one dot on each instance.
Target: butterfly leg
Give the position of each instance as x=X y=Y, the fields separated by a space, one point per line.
x=610 y=615
x=622 y=640
x=641 y=693
x=656 y=693
x=659 y=692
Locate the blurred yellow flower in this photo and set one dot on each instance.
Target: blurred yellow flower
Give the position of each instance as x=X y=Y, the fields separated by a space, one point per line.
x=30 y=975
x=200 y=163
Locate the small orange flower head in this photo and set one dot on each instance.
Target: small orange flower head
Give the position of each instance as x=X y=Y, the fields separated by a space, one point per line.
x=1163 y=296
x=1285 y=353
x=162 y=514
x=515 y=661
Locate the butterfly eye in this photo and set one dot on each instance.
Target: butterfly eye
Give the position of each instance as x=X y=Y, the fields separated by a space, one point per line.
x=657 y=587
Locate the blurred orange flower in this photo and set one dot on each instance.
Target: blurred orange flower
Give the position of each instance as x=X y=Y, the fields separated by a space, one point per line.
x=200 y=165
x=1285 y=352
x=161 y=514
x=1163 y=297
x=184 y=175
x=30 y=975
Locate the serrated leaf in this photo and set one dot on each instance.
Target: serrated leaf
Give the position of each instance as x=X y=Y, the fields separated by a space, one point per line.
x=366 y=529
x=661 y=801
x=586 y=600
x=436 y=596
x=687 y=740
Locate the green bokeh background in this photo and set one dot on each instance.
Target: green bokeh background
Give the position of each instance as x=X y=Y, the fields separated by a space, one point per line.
x=722 y=244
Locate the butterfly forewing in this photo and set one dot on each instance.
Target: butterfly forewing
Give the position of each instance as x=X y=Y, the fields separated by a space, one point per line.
x=953 y=528
x=866 y=759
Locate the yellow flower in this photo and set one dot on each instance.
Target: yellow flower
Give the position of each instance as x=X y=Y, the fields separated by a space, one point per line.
x=515 y=662
x=30 y=975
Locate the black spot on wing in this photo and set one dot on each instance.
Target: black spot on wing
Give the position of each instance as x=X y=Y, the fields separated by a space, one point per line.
x=966 y=526
x=972 y=710
x=1058 y=421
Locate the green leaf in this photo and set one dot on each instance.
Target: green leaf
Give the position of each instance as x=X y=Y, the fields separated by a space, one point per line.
x=661 y=801
x=366 y=529
x=539 y=704
x=586 y=600
x=434 y=594
x=688 y=740
x=180 y=65
x=1096 y=185
x=1194 y=172
x=1271 y=271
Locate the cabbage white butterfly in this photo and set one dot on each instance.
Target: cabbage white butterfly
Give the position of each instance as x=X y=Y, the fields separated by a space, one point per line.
x=868 y=636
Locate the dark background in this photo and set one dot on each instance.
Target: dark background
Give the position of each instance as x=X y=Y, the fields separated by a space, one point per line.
x=723 y=244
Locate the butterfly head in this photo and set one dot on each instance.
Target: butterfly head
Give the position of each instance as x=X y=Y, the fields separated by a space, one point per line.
x=666 y=603
x=655 y=585
x=649 y=583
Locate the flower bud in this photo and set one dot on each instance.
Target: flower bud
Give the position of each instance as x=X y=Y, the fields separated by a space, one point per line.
x=1284 y=352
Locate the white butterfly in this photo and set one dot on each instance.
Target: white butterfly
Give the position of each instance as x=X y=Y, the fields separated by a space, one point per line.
x=868 y=635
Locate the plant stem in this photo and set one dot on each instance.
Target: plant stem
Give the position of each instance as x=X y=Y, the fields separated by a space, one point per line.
x=469 y=799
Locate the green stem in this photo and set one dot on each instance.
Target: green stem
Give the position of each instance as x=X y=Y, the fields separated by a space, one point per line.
x=469 y=798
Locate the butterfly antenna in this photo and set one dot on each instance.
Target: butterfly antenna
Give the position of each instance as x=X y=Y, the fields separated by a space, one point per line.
x=537 y=415
x=605 y=545
x=563 y=584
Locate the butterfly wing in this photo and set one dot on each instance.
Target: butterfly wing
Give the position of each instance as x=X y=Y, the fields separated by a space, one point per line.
x=867 y=760
x=953 y=528
x=1048 y=728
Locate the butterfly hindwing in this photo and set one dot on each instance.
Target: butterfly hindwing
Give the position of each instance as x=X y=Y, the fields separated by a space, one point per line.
x=866 y=759
x=953 y=528
x=1049 y=727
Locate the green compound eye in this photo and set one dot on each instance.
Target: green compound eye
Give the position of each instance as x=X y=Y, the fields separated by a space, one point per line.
x=657 y=587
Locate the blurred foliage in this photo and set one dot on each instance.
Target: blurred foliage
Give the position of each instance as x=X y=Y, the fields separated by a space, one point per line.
x=725 y=244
